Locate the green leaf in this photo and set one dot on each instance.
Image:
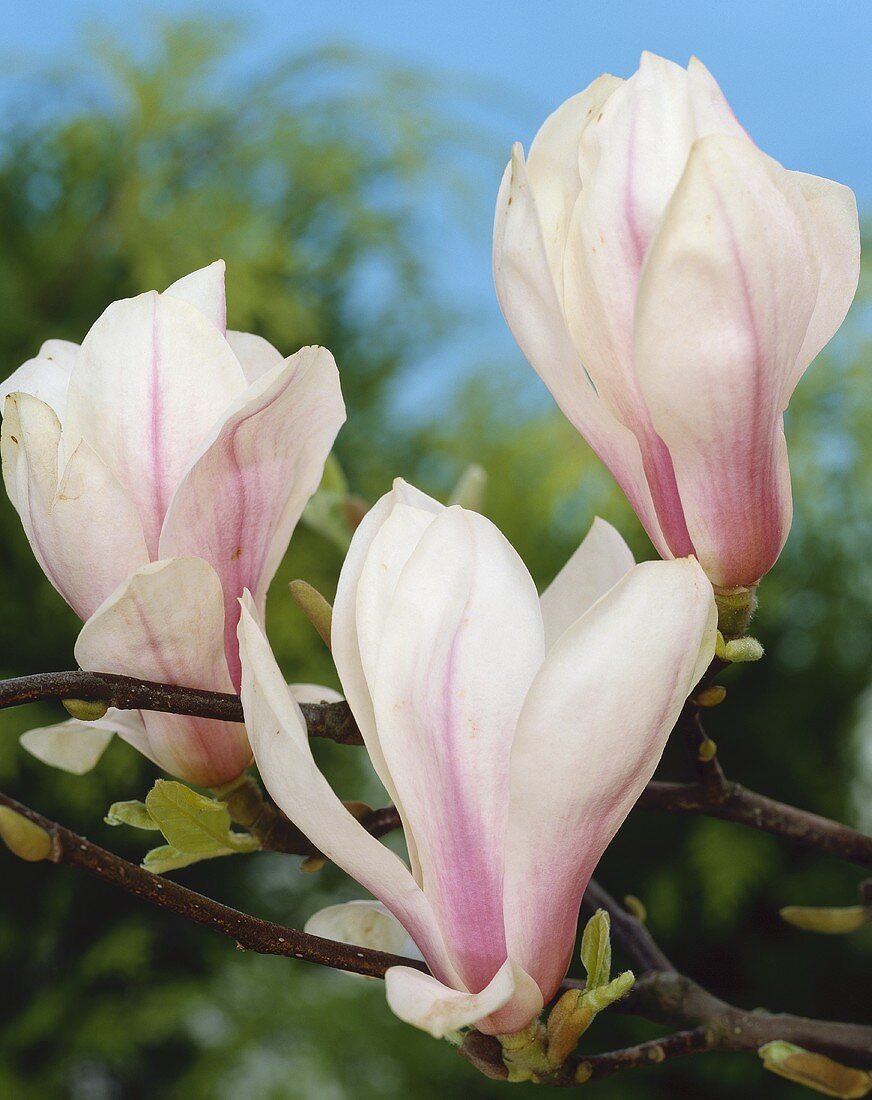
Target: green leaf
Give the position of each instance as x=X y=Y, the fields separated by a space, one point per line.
x=133 y=813
x=596 y=950
x=604 y=995
x=194 y=823
x=167 y=858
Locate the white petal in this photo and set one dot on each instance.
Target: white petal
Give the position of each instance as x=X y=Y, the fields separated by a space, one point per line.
x=315 y=693
x=280 y=742
x=460 y=645
x=84 y=532
x=153 y=377
x=424 y=1002
x=729 y=286
x=530 y=305
x=833 y=214
x=596 y=566
x=255 y=470
x=363 y=924
x=47 y=376
x=204 y=290
x=166 y=624
x=591 y=733
x=358 y=617
x=552 y=166
x=72 y=746
x=256 y=355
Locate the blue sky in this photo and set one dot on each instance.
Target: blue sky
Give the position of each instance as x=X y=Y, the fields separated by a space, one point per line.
x=797 y=73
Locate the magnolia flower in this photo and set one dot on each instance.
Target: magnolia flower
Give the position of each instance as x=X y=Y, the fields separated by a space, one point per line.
x=512 y=734
x=159 y=470
x=670 y=283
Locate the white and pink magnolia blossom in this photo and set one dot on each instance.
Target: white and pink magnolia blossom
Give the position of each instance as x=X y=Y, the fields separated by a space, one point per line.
x=512 y=734
x=670 y=283
x=159 y=471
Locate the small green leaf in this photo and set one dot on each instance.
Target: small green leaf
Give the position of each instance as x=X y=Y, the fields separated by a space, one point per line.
x=167 y=858
x=605 y=995
x=596 y=950
x=194 y=823
x=130 y=813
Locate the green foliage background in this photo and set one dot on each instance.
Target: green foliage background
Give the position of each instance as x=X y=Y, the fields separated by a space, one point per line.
x=316 y=183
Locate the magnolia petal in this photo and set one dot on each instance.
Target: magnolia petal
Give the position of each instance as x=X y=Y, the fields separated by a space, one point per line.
x=530 y=305
x=358 y=619
x=256 y=470
x=725 y=299
x=204 y=290
x=166 y=623
x=364 y=924
x=47 y=376
x=426 y=1003
x=552 y=167
x=596 y=566
x=592 y=730
x=84 y=532
x=833 y=212
x=280 y=743
x=75 y=746
x=461 y=643
x=72 y=746
x=315 y=693
x=153 y=377
x=256 y=355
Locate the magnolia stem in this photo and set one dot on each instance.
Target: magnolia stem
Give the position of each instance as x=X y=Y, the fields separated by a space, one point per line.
x=712 y=795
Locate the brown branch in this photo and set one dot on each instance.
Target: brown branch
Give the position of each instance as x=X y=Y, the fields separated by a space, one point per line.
x=712 y=795
x=250 y=933
x=661 y=996
x=736 y=803
x=331 y=720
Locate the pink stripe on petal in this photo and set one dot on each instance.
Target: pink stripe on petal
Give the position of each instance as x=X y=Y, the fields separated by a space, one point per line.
x=724 y=304
x=460 y=644
x=284 y=758
x=240 y=501
x=592 y=729
x=153 y=377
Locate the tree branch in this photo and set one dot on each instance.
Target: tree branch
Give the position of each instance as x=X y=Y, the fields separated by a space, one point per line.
x=331 y=720
x=660 y=995
x=250 y=933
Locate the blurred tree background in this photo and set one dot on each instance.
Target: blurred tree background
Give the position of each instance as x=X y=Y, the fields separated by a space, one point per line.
x=318 y=182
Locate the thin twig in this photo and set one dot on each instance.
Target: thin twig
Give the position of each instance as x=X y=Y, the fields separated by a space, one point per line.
x=331 y=720
x=249 y=933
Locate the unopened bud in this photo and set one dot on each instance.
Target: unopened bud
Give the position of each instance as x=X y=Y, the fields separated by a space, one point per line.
x=743 y=650
x=86 y=710
x=708 y=750
x=711 y=696
x=470 y=487
x=315 y=607
x=312 y=864
x=636 y=908
x=833 y=920
x=23 y=837
x=815 y=1071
